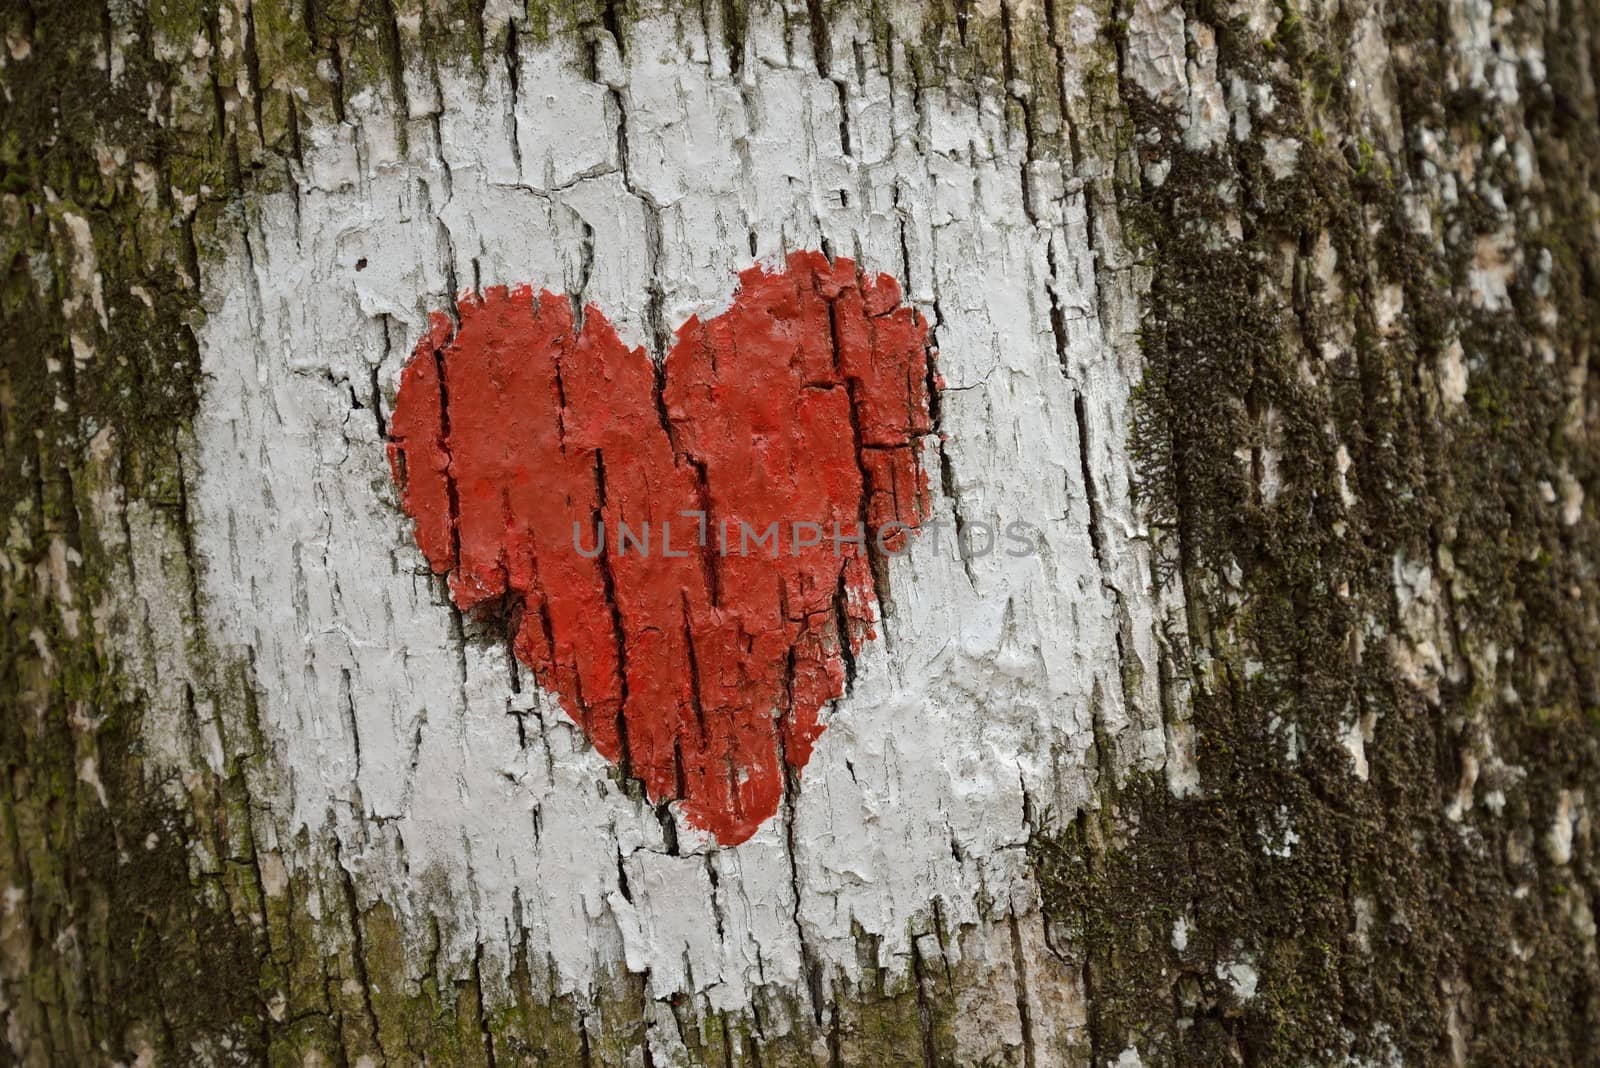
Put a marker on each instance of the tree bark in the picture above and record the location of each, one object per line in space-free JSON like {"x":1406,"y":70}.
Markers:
{"x":1272,"y":320}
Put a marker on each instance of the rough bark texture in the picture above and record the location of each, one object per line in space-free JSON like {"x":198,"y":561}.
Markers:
{"x":1295,"y":299}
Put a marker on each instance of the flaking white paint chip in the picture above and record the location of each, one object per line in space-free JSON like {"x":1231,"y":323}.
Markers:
{"x":1281,"y":154}
{"x":1156,"y":49}
{"x":1241,"y":976}
{"x":1558,"y":839}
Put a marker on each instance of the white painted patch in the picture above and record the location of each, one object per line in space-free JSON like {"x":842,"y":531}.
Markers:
{"x":1371,"y":81}
{"x":1282,"y":155}
{"x":1256,"y":17}
{"x":398,"y":739}
{"x":1558,"y":839}
{"x":1160,"y":45}
{"x":1355,"y":739}
{"x":1361,"y":927}
{"x":1206,"y":124}
{"x":1156,"y":52}
{"x":1183,"y":765}
{"x":1240,"y":976}
{"x":1466,"y":785}
{"x":1342,"y":463}
{"x":1489,"y":276}
{"x":1453,"y":374}
{"x":1571,"y":499}
{"x":1278,"y":836}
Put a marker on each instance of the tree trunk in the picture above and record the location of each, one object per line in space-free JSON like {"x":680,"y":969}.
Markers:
{"x":1270,"y":743}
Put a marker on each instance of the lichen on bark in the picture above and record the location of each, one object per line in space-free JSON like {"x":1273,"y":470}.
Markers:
{"x":1391,"y":609}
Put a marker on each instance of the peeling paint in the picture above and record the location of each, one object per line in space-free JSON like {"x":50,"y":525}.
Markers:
{"x":411,"y":745}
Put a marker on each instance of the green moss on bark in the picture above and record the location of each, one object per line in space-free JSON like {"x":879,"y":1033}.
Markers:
{"x":1379,"y":917}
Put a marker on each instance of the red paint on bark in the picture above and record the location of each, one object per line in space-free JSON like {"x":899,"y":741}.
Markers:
{"x":701,"y":673}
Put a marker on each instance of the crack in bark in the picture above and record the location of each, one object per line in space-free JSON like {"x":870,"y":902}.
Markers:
{"x":389,"y":39}
{"x":619,"y":631}
{"x":811,"y":967}
{"x":1019,"y":964}
{"x":1091,"y":498}
{"x":930,"y":1049}
{"x":358,"y":951}
{"x":513,"y":81}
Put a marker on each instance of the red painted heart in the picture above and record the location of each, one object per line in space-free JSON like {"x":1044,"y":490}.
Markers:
{"x":622,"y":513}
